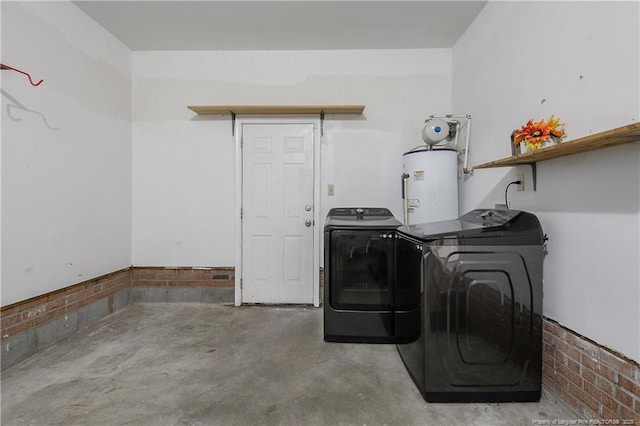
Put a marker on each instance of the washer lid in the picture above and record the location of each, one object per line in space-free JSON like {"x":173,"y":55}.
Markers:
{"x":364,"y":212}
{"x":517,"y":226}
{"x":370,"y":217}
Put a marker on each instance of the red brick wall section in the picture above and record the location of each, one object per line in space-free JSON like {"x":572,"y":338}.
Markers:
{"x":21,"y":316}
{"x":593,"y":380}
{"x":182,"y":277}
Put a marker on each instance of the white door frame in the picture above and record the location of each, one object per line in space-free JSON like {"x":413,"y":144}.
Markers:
{"x":278,"y":119}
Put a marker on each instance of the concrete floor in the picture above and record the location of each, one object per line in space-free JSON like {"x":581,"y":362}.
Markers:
{"x":166,"y":364}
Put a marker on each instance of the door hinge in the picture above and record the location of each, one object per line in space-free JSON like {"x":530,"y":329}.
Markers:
{"x":240,"y":283}
{"x":240,"y":212}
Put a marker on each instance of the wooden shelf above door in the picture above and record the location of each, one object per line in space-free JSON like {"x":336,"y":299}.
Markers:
{"x":276,"y":109}
{"x":234,"y":110}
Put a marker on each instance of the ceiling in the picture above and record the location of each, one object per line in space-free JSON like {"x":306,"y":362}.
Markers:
{"x":283,"y":25}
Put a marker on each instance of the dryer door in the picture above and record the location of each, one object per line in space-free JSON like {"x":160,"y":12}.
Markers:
{"x":361,"y":269}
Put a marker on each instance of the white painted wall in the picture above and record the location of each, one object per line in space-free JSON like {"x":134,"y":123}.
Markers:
{"x":66,"y":164}
{"x":580,"y":61}
{"x":66,"y":194}
{"x":183,"y":194}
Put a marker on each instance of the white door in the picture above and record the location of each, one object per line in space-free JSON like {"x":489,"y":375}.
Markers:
{"x":277,"y":213}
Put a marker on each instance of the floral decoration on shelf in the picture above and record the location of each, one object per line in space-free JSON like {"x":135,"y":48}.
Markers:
{"x":538,"y":134}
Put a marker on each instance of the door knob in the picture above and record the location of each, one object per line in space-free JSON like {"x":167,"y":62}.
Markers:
{"x":307,"y":223}
{"x":308,"y":207}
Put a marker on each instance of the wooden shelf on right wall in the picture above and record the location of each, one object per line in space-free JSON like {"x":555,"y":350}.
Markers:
{"x":618,"y":136}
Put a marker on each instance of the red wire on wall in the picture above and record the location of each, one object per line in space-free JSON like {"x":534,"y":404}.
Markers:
{"x":7,"y":67}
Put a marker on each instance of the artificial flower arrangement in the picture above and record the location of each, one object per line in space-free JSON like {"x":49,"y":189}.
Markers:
{"x":535,"y":133}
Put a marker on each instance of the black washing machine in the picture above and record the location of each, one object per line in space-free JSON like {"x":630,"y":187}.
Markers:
{"x":360,"y":296}
{"x":479,"y":333}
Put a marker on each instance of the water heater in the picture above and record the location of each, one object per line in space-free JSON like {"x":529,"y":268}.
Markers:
{"x":430,"y":185}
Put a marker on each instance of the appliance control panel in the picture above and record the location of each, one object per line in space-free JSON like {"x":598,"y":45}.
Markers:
{"x":359,"y":211}
{"x":490,"y":217}
{"x":382,"y":234}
